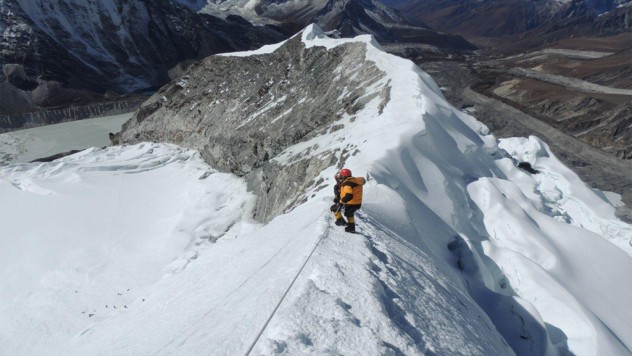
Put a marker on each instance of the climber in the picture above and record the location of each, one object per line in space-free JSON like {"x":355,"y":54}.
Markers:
{"x":348,"y":198}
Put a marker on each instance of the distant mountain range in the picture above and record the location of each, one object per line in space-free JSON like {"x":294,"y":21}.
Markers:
{"x":348,"y":17}
{"x":541,"y":21}
{"x":70,"y":51}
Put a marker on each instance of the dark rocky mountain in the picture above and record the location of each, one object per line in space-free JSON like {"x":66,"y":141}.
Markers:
{"x":501,"y":18}
{"x":574,"y":20}
{"x":481,"y":18}
{"x":348,"y":17}
{"x":62,"y":52}
{"x":71,"y":52}
{"x":566,"y":63}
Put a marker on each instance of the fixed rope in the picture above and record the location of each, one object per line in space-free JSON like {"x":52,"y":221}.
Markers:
{"x":252,"y":346}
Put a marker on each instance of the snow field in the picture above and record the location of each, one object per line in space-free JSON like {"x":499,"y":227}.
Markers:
{"x":559,"y":192}
{"x":147,"y":253}
{"x":84,"y":236}
{"x":551,"y":261}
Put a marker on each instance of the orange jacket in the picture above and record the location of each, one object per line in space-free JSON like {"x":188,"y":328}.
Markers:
{"x":351,"y":190}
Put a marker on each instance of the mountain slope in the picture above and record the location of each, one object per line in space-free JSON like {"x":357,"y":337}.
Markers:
{"x":514,"y":17}
{"x":161,"y":261}
{"x":347,"y":17}
{"x":459,"y":251}
{"x":68,"y":51}
{"x":336,"y":125}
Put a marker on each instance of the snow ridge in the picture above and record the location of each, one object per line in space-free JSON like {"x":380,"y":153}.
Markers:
{"x":439,"y":160}
{"x":459,"y":250}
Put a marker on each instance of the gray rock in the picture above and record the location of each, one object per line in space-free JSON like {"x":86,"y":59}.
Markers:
{"x":241,"y":112}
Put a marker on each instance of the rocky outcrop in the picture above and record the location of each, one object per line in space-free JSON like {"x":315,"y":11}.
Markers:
{"x":242,"y":112}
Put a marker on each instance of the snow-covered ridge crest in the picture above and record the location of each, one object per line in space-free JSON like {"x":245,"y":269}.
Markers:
{"x":441,"y":162}
{"x":386,"y":119}
{"x":459,"y":251}
{"x":274,"y":97}
{"x":312,"y":35}
{"x":292,"y":92}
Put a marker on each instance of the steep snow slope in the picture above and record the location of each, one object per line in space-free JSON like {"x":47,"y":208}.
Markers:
{"x":145,"y":268}
{"x":459,"y":251}
{"x":418,"y":145}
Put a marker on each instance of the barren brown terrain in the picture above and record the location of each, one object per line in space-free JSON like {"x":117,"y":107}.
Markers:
{"x":576,"y":95}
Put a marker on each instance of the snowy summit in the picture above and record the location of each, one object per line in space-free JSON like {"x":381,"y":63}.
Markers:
{"x":219,"y":239}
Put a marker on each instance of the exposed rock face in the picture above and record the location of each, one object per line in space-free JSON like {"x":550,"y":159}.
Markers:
{"x":62,"y":52}
{"x":615,"y":21}
{"x":578,"y":19}
{"x":241,"y":112}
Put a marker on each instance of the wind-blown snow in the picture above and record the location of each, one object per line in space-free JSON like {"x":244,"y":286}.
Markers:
{"x":459,"y":251}
{"x":85,"y":238}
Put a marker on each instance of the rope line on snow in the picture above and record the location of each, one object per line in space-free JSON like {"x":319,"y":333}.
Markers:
{"x":252,"y":346}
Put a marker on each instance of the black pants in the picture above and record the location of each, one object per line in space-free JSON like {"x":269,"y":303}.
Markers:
{"x":350,"y":209}
{"x":347,"y":210}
